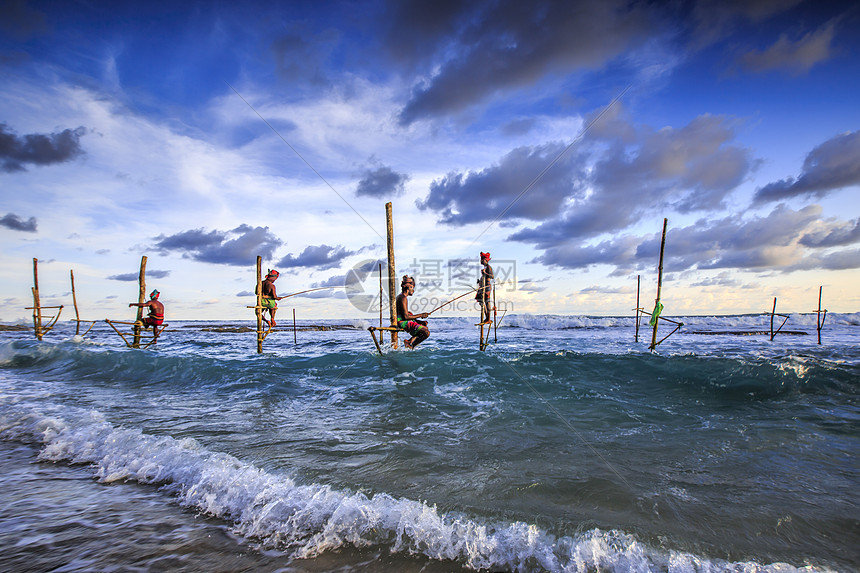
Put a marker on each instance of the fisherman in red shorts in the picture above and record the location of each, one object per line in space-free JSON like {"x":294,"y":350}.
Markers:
{"x":156,"y":313}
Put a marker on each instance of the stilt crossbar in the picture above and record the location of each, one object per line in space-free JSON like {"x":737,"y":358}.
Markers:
{"x":373,"y":329}
{"x":136,"y":334}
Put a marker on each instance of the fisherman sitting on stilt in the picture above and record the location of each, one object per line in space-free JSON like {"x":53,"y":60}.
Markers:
{"x":156,"y":314}
{"x":270,"y":297}
{"x":485,"y":288}
{"x":408,"y":321}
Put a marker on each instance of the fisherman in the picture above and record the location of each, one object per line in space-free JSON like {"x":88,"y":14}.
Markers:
{"x":156,"y":313}
{"x":485,"y":288}
{"x":408,"y":321}
{"x":270,"y":296}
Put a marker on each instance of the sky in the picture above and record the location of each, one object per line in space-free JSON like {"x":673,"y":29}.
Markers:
{"x":556,"y":135}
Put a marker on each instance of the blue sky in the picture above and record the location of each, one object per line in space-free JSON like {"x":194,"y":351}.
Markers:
{"x":556,"y":135}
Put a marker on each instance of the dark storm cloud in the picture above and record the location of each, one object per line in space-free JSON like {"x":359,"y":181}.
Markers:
{"x":531,"y":285}
{"x":774,"y":242}
{"x":415,"y":29}
{"x":334,"y":281}
{"x":619,"y":251}
{"x":636,"y":171}
{"x":835,"y":235}
{"x":381,"y":182}
{"x":37,"y":149}
{"x":133,"y":277}
{"x":300,"y":56}
{"x":838,"y":261}
{"x":239,"y":246}
{"x":715,"y":19}
{"x":482,"y":48}
{"x":19,"y":21}
{"x":797,"y":57}
{"x":320,"y":257}
{"x":833,"y":165}
{"x":477,"y":196}
{"x":16,"y":223}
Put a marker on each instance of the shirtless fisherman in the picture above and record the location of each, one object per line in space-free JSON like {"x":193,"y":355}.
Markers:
{"x":408,"y":321}
{"x":485,"y":288}
{"x":156,"y":313}
{"x":270,"y":296}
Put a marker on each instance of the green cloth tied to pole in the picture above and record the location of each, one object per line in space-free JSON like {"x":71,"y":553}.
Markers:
{"x":658,"y":308}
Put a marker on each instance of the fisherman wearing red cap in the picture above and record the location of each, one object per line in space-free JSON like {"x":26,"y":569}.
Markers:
{"x":270,"y":296}
{"x":408,"y":321}
{"x":485,"y":287}
{"x":156,"y":313}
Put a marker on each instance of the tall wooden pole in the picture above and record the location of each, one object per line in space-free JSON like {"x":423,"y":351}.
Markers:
{"x":819,"y":324}
{"x":772,"y":313}
{"x":659,"y":284}
{"x":380,"y":296}
{"x":295,"y":337}
{"x":75,"y":302}
{"x":37,"y":307}
{"x":392,"y":276}
{"x":141,"y":298}
{"x":259,"y":309}
{"x":495,"y":316}
{"x":636,"y":338}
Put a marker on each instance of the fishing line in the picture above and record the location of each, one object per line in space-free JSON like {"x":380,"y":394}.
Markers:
{"x":305,"y":160}
{"x":553,"y":162}
{"x":566,"y":423}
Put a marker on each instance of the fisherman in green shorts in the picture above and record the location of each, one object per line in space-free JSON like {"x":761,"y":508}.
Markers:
{"x":270,"y":296}
{"x":408,"y":321}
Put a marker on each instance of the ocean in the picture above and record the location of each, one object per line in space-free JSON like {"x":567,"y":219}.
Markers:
{"x":565,"y":446}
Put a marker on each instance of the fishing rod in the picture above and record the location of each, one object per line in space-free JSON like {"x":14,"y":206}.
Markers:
{"x":450,"y":301}
{"x":304,"y":291}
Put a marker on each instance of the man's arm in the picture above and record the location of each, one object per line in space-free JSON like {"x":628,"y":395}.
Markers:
{"x":408,"y":315}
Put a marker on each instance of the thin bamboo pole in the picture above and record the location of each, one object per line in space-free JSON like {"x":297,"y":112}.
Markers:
{"x":495,"y":316}
{"x":452,"y":300}
{"x":638,"y":279}
{"x":392,"y":277}
{"x":820,"y":325}
{"x":295,"y":337}
{"x":772,"y":316}
{"x":306,"y":291}
{"x":75,"y":302}
{"x":380,"y":295}
{"x":259,"y":308}
{"x":37,"y":307}
{"x":141,"y":298}
{"x":659,"y":283}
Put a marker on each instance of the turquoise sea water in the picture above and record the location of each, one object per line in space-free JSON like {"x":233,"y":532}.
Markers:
{"x":566,"y":446}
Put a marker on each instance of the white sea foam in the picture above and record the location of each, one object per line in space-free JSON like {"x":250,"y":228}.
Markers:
{"x":307,"y":520}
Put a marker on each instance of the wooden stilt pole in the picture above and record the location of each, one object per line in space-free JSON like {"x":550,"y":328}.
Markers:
{"x":392,"y":273}
{"x":380,"y":296}
{"x":75,"y":302}
{"x":495,"y":316}
{"x":37,"y":307}
{"x":638,"y":279}
{"x":772,"y":313}
{"x":659,"y":283}
{"x":820,"y":321}
{"x":295,"y":337}
{"x":141,"y":298}
{"x":259,"y":309}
